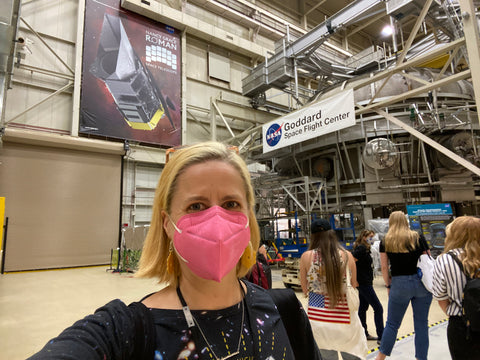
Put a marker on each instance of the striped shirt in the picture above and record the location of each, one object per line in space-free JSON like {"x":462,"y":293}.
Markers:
{"x":448,"y":282}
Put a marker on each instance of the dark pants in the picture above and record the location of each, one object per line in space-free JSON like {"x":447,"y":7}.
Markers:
{"x":333,"y":355}
{"x":460,"y":347}
{"x":368,"y":297}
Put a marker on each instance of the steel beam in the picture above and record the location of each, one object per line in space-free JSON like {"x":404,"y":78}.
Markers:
{"x":461,"y":161}
{"x":470,"y":29}
{"x":41,"y":102}
{"x":344,"y":17}
{"x":421,"y":90}
{"x":223,"y":118}
{"x":47,"y":46}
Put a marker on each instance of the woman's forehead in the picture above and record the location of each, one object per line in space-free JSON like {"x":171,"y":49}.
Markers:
{"x":214,"y":174}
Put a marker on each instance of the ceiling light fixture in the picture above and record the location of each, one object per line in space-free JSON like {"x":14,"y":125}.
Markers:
{"x":387,"y":30}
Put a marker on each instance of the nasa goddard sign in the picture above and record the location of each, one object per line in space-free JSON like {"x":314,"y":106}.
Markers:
{"x":320,"y":118}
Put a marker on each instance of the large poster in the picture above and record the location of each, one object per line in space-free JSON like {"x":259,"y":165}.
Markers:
{"x":431,"y":220}
{"x":130,"y":76}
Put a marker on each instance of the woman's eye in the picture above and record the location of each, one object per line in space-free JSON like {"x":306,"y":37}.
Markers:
{"x":230,"y":205}
{"x":196,"y":207}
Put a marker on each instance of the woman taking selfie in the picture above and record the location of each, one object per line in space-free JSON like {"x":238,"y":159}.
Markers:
{"x":202,"y":240}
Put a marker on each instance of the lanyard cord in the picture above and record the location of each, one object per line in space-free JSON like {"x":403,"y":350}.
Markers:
{"x":197,"y":331}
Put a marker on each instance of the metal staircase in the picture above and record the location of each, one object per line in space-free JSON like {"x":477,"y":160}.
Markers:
{"x":453,"y":22}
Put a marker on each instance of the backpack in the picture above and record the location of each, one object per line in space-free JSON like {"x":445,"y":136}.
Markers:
{"x":257,"y":275}
{"x":471,"y":298}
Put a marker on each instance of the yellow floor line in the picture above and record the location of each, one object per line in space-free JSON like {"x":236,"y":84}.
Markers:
{"x":405,"y":336}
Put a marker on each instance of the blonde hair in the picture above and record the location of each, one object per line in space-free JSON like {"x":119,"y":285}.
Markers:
{"x":326,"y":242}
{"x":399,"y":238}
{"x":464,"y":233}
{"x":157,"y":246}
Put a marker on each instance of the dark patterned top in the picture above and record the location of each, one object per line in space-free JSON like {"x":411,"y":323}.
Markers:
{"x":116,"y":331}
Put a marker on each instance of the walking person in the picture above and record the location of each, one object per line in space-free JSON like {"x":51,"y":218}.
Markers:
{"x":368,"y":297}
{"x":325,"y":270}
{"x":463,"y":241}
{"x":399,"y":253}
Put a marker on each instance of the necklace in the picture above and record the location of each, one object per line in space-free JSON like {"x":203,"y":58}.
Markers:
{"x":239,"y":338}
{"x":192,"y":323}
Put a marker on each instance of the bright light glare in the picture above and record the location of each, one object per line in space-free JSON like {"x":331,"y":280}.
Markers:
{"x":387,"y":30}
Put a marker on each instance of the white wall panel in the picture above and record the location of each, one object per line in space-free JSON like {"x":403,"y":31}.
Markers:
{"x":238,"y":72}
{"x":217,"y":21}
{"x":56,"y":18}
{"x":219,"y":67}
{"x":196,"y":58}
{"x":55,"y":21}
{"x":139,"y":184}
{"x":54,"y":114}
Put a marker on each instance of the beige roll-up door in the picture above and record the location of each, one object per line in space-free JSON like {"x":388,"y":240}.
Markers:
{"x":63,"y":206}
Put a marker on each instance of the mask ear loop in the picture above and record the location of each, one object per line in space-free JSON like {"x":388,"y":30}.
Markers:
{"x":173,"y":223}
{"x":172,"y":246}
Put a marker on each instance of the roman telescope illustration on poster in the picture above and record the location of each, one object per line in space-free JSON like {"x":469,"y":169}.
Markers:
{"x":130,"y":83}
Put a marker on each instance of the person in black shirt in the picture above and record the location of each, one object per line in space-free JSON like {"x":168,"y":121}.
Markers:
{"x":368,"y":297}
{"x":399,"y":253}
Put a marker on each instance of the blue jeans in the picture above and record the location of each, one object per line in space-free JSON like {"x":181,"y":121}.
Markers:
{"x":406,"y":289}
{"x":369,"y":297}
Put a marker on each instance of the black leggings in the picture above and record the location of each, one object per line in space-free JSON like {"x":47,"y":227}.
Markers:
{"x":460,"y":347}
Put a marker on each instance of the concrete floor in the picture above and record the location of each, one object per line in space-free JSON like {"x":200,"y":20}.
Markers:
{"x":36,"y":306}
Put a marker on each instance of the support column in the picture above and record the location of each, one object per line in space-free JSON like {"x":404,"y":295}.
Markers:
{"x":184,"y":87}
{"x":472,"y":40}
{"x":213,"y":121}
{"x":77,"y":85}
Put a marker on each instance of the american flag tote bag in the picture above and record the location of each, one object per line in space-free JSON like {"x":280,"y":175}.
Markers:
{"x":319,"y":309}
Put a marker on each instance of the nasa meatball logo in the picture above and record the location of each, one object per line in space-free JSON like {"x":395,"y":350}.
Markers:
{"x":274,"y":134}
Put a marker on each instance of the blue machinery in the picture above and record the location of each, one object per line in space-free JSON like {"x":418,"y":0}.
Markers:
{"x":292,"y":247}
{"x":344,"y":227}
{"x":295,"y":245}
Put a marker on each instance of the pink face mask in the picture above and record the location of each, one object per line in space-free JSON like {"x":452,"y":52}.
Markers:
{"x":211,"y":241}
